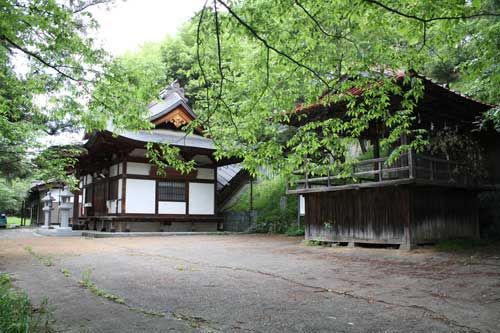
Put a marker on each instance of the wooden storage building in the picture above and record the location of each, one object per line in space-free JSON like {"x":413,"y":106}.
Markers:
{"x":421,"y":198}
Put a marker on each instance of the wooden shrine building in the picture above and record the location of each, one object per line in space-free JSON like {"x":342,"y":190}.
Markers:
{"x":121,"y":191}
{"x":421,"y":198}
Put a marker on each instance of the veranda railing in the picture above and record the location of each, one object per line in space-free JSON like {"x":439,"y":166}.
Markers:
{"x":409,"y":166}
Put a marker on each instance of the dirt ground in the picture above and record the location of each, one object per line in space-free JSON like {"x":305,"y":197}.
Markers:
{"x":252,"y":283}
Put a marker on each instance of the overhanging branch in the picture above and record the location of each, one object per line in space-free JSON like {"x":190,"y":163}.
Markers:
{"x":252,"y":31}
{"x":427,"y":20}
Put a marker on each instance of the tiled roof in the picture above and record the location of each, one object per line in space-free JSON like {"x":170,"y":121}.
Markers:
{"x":170,"y":98}
{"x":399,"y":75}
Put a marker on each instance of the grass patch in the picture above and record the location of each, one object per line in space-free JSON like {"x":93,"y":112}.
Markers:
{"x":65,"y":272}
{"x":295,"y":231}
{"x":87,"y":283}
{"x":17,"y":313}
{"x":458,"y":245}
{"x":16,"y":221}
{"x":47,"y":261}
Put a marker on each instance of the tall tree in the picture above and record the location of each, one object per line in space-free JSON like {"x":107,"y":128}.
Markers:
{"x":52,"y":77}
{"x":259,"y":58}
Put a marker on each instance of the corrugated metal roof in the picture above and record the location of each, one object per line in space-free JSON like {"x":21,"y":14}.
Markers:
{"x":175,"y":138}
{"x":226,"y":173}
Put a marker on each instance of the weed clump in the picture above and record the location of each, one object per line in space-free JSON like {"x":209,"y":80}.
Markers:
{"x":87,"y":283}
{"x":18,"y":314}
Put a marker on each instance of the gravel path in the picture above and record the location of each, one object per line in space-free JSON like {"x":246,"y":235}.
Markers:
{"x":251,"y":283}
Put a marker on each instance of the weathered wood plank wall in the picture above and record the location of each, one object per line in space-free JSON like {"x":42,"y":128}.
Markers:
{"x":439,"y":213}
{"x":385,"y":215}
{"x":370,"y":215}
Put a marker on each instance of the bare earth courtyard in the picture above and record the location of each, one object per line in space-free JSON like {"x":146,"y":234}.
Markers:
{"x":251,"y":283}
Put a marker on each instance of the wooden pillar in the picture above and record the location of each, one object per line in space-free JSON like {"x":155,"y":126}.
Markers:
{"x":376,"y":154}
{"x":76,"y":207}
{"x":23,"y":213}
{"x":376,"y":148}
{"x":215,"y":191}
{"x":124,"y":185}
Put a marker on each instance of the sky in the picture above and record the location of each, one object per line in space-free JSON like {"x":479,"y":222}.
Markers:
{"x":127,"y":24}
{"x":130,"y":23}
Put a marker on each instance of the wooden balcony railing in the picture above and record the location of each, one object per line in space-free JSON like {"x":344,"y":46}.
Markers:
{"x":409,"y":167}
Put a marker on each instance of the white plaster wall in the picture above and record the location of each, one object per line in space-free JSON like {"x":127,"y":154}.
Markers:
{"x":201,"y":198}
{"x":88,"y":179}
{"x":171,"y":207}
{"x":80,"y":213}
{"x":134,"y":168}
{"x":140,"y":197}
{"x":56,"y":194}
{"x":120,"y":188}
{"x":111,"y":206}
{"x":113,"y":170}
{"x":302,"y":204}
{"x":204,"y":173}
{"x":138,"y":152}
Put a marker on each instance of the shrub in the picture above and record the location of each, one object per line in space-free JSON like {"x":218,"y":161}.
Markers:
{"x":266,"y":201}
{"x":458,"y":245}
{"x":295,"y":230}
{"x":17,"y":312}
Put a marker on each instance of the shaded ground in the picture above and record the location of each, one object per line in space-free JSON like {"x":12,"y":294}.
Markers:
{"x":252,"y":283}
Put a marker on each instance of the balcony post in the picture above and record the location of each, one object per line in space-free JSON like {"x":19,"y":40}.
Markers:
{"x":411,"y":164}
{"x":307,"y":179}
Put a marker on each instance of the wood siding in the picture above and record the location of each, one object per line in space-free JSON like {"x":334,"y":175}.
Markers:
{"x":358,"y":215}
{"x":443,"y":214}
{"x":392,"y":215}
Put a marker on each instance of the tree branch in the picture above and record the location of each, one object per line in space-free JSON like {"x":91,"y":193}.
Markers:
{"x":267,"y":45}
{"x":320,"y":27}
{"x":198,"y":59}
{"x":219,"y":51}
{"x":89,"y":4}
{"x":427,"y":20}
{"x":37,"y":57}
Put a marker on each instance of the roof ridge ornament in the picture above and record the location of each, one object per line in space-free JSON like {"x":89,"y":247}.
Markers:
{"x":172,"y":88}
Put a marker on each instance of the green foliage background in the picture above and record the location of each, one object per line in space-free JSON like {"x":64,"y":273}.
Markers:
{"x":12,"y":193}
{"x":245,"y":66}
{"x":266,"y":201}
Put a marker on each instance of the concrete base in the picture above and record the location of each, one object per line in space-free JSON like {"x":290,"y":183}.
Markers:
{"x":148,"y":226}
{"x":98,"y":234}
{"x":407,"y":246}
{"x":59,"y":232}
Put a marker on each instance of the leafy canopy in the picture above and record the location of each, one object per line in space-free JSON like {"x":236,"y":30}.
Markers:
{"x":257,"y":59}
{"x":246,"y":65}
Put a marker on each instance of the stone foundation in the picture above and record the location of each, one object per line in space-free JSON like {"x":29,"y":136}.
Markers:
{"x":148,"y":226}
